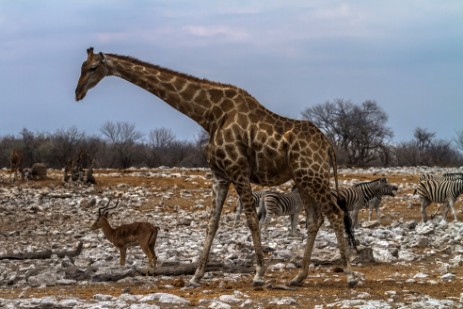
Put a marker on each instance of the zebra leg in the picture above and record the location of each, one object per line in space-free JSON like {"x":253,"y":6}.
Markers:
{"x":355,"y":214}
{"x":451,"y":205}
{"x":293,"y":219}
{"x":263,"y":224}
{"x":376,"y":203}
{"x":238,"y":210}
{"x":219,"y":194}
{"x":424,"y":203}
{"x":370,"y":211}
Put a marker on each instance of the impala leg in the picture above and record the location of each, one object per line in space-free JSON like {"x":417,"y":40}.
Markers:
{"x":219,"y":194}
{"x":154,"y":258}
{"x":123,"y":252}
{"x":149,"y":256}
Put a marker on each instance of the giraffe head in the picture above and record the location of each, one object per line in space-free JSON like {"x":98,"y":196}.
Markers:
{"x":93,"y":70}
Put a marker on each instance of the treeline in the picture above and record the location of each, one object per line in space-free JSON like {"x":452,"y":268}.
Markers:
{"x":359,"y":133}
{"x":119,"y":145}
{"x":362,"y":138}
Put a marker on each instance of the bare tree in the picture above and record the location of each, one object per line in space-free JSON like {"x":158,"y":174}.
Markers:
{"x":459,"y":140}
{"x":423,"y":138}
{"x":161,"y":138}
{"x":358,"y":131}
{"x":123,"y":138}
{"x":66,"y":144}
{"x":426,"y":150}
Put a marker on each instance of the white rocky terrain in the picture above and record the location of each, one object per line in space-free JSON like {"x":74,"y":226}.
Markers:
{"x":403,"y":262}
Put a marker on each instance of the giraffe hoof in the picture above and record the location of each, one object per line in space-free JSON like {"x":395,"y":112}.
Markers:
{"x":193,"y":283}
{"x":295,"y":283}
{"x":352,"y":283}
{"x":257,"y":283}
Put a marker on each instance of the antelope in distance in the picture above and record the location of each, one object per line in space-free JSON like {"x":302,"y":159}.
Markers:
{"x":143,"y":234}
{"x":16,"y":161}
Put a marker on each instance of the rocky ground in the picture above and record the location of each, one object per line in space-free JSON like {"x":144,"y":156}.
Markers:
{"x":405,"y":264}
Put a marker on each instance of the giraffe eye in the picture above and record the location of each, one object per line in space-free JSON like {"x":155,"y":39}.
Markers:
{"x":93,"y":68}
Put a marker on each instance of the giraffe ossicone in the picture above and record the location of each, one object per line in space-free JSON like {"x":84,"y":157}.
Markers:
{"x":247,"y":144}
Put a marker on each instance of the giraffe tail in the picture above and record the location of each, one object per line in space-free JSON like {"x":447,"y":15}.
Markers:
{"x":348,"y":223}
{"x":332,"y":155}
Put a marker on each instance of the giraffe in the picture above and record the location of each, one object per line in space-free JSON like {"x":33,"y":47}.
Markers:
{"x":16,"y":160}
{"x":247,"y":144}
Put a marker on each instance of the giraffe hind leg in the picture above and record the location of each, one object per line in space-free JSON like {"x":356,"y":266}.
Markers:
{"x":244,"y":191}
{"x":341,"y":222}
{"x":314,"y":221}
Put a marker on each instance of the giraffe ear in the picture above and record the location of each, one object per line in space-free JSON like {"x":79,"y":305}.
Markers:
{"x":103,"y":59}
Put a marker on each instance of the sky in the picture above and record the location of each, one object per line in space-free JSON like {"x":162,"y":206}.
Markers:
{"x":290,"y":55}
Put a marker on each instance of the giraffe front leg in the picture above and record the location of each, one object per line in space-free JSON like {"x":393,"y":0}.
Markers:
{"x":219,"y":193}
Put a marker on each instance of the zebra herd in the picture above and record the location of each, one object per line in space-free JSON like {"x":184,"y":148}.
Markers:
{"x":431,"y":188}
{"x":362,"y":195}
{"x":443,"y":189}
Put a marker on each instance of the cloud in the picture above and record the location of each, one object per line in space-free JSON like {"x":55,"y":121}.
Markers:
{"x":223,"y":33}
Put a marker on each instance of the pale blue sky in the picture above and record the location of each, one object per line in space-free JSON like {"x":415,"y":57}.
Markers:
{"x":290,"y":55}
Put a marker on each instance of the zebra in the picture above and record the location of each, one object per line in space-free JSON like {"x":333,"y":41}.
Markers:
{"x":443,"y":177}
{"x":279,"y":204}
{"x":257,"y":195}
{"x":375,"y":202}
{"x":446,"y":191}
{"x":357,"y":196}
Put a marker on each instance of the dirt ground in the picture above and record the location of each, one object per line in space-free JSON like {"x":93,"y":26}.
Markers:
{"x":379,"y":277}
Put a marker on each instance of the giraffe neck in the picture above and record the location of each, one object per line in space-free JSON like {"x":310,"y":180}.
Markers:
{"x":197,"y":98}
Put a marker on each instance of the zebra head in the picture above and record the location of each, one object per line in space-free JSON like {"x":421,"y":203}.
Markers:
{"x":389,"y":189}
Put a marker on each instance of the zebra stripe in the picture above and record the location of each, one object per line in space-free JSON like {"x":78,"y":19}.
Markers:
{"x":279,"y":204}
{"x":443,"y":177}
{"x":432,"y":191}
{"x":257,"y":195}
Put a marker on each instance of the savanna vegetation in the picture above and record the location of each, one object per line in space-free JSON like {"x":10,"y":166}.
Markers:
{"x":359,"y":132}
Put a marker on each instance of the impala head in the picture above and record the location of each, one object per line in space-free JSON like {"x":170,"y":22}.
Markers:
{"x":102,"y":216}
{"x":93,"y":70}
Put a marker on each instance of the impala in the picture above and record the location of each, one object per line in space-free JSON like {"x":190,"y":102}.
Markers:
{"x":137,"y":233}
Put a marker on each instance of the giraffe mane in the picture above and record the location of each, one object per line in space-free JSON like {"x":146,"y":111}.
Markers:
{"x":184,"y":75}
